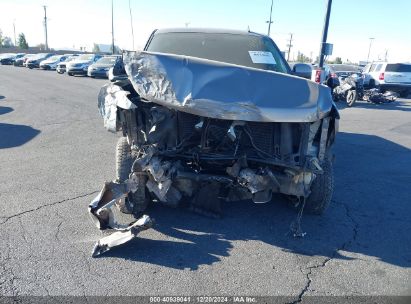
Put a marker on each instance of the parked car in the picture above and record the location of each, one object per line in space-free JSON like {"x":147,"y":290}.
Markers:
{"x":51,"y":63}
{"x":34,"y":62}
{"x":389,"y":76}
{"x":79,"y":66}
{"x":61,"y":66}
{"x":21,"y":61}
{"x":10,"y":58}
{"x":5,"y":55}
{"x":101,"y":67}
{"x":208,"y":114}
{"x":342,"y":71}
{"x":117,"y":72}
{"x":330,"y":77}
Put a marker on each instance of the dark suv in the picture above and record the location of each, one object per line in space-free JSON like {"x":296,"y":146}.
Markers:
{"x":207,"y":115}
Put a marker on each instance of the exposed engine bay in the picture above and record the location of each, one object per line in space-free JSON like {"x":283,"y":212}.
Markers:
{"x":176,"y":155}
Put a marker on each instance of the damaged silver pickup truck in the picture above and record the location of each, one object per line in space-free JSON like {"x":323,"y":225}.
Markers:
{"x":211,"y":115}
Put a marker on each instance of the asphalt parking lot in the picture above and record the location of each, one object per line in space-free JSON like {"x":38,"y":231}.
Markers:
{"x":55,"y":155}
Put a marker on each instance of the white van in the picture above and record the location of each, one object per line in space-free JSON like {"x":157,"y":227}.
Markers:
{"x":389,"y":76}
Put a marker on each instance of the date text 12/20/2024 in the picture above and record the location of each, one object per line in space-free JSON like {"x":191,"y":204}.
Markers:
{"x":202,"y":299}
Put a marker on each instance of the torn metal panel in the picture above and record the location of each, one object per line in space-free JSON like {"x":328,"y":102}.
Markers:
{"x":100,"y":210}
{"x":100,"y":207}
{"x":225,"y":91}
{"x":111,"y":97}
{"x":123,"y":236}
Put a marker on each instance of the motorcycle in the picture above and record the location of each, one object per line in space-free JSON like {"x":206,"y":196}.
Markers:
{"x":375,"y":96}
{"x":350,"y":89}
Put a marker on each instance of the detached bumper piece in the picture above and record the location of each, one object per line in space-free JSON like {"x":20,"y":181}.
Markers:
{"x":102,"y":215}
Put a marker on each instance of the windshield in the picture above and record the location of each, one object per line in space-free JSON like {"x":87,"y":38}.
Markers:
{"x":107,"y":60}
{"x":242,"y":49}
{"x":85,"y":57}
{"x":71,"y":58}
{"x":39,"y":56}
{"x":54,"y":58}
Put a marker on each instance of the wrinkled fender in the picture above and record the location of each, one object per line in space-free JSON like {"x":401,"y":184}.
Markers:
{"x":110,"y":98}
{"x":334,"y":124}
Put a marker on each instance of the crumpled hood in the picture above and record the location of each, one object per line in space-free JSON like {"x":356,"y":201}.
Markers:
{"x":225,"y":91}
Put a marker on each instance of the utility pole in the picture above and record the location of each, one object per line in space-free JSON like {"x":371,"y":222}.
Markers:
{"x":289,"y":46}
{"x":45,"y":26}
{"x":369,"y":49}
{"x":386,"y":55}
{"x":131,"y":20}
{"x":14,"y":28}
{"x":325,"y":33}
{"x":112,"y":28}
{"x":271,"y":21}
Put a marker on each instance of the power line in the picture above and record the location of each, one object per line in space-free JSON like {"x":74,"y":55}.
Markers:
{"x":289,"y":46}
{"x":45,"y":26}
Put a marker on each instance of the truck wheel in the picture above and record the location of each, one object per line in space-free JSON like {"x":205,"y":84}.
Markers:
{"x":137,"y":202}
{"x":351,"y":97}
{"x":321,"y":190}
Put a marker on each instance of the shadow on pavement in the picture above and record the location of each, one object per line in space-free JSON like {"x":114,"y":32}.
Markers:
{"x":5,"y":110}
{"x":15,"y":135}
{"x":369,"y":215}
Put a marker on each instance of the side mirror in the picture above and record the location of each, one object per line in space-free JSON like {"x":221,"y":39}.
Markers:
{"x":302,"y":70}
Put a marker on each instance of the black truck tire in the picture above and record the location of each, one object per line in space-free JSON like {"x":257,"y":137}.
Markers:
{"x":351,"y":97}
{"x":137,"y":202}
{"x":321,"y":190}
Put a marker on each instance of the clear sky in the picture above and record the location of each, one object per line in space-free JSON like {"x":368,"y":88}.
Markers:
{"x":83,"y":22}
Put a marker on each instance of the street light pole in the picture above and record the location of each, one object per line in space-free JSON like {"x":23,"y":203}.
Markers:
{"x":369,"y":49}
{"x":112,"y":28}
{"x":45,"y":26}
{"x":325,"y":34}
{"x":131,"y":20}
{"x":14,"y":29}
{"x":289,"y":46}
{"x":270,"y":22}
